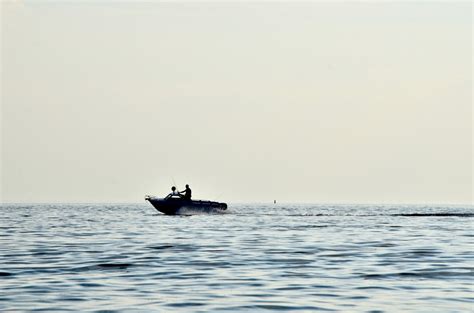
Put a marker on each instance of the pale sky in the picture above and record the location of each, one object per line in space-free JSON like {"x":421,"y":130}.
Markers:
{"x":364,"y":102}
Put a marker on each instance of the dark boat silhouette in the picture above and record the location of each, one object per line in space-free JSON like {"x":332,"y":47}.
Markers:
{"x":180,"y":206}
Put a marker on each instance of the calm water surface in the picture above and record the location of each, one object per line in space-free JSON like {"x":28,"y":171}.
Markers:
{"x":349,"y":258}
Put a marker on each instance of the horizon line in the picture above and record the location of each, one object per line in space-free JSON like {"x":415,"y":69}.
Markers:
{"x":257,"y":202}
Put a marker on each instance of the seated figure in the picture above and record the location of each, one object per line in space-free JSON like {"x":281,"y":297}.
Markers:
{"x":174,"y":193}
{"x":186,"y":192}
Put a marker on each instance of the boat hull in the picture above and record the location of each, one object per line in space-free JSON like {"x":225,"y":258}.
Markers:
{"x":177,"y":206}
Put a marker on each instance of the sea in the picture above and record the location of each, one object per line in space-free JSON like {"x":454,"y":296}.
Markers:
{"x":254,"y":258}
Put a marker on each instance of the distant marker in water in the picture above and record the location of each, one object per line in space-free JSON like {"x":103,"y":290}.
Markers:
{"x":274,"y":201}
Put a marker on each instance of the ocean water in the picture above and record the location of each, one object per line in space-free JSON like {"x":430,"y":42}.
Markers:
{"x":256,"y":257}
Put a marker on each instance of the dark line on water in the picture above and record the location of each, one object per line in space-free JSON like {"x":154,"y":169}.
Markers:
{"x":436,"y":214}
{"x":5,"y":274}
{"x":114,"y":265}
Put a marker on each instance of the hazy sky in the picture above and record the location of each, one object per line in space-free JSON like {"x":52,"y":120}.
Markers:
{"x":245,"y":101}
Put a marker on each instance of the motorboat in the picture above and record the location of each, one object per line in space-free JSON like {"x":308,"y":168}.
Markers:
{"x":180,"y":206}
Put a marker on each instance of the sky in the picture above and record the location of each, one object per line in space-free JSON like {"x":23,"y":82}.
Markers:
{"x":321,"y":102}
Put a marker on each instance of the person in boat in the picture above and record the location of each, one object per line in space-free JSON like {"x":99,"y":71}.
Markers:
{"x":174,"y":193}
{"x":187,"y":193}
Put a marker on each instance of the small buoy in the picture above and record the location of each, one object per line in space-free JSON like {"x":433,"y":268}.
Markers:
{"x":274,"y":201}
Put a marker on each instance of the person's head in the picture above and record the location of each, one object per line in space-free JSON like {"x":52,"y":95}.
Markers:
{"x":187,"y":186}
{"x":173,"y":188}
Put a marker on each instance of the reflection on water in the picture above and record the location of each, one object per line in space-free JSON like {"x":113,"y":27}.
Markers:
{"x":256,"y":257}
